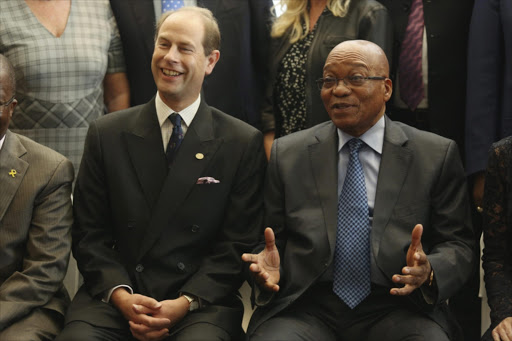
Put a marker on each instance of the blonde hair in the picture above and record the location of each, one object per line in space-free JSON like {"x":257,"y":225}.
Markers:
{"x":297,"y":13}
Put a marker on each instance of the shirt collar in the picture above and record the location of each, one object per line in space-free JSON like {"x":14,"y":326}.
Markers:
{"x":187,"y":115}
{"x":373,"y":137}
{"x":2,"y":141}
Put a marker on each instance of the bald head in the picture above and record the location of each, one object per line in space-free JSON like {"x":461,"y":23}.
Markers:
{"x":357,"y":99}
{"x":367,"y":52}
{"x":8,"y":78}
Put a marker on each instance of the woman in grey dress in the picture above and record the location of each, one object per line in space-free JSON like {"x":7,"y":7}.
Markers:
{"x":69,"y":68}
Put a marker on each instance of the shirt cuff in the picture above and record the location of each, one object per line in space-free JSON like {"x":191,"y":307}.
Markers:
{"x":107,"y":294}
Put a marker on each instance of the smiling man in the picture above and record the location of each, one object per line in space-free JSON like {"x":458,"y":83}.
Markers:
{"x":377,"y":239}
{"x":168,"y":196}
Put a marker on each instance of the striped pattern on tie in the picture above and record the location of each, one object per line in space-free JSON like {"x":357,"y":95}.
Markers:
{"x":410,"y":63}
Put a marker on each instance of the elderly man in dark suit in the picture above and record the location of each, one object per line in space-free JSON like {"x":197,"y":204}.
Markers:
{"x":168,"y":196}
{"x":371,"y":219}
{"x":35,"y":226}
{"x":237,"y":85}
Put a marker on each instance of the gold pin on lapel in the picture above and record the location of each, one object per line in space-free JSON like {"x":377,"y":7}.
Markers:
{"x":199,"y":156}
{"x":13,"y":173}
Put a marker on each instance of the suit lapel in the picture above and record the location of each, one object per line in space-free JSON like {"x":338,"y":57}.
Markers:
{"x":395,"y":162}
{"x":182,"y":177}
{"x":11,"y":160}
{"x":145,"y":147}
{"x":324,"y":157}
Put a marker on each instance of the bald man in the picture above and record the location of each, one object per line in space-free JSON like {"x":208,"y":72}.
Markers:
{"x":35,"y":228}
{"x":370,"y":220}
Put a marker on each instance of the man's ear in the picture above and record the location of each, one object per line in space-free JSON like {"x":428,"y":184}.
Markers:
{"x":388,"y":89}
{"x":211,"y":60}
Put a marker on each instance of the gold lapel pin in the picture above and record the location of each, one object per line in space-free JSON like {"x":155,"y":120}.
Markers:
{"x":199,"y":156}
{"x":13,"y":173}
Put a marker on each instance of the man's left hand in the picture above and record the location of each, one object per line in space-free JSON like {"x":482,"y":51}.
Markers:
{"x":418,"y":268}
{"x":174,"y":310}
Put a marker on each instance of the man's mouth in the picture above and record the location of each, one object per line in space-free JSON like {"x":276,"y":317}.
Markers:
{"x":170,"y":72}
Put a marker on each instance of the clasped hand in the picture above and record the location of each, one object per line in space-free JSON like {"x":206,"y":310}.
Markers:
{"x":265,"y":265}
{"x":149,"y":319}
{"x":418,"y":268}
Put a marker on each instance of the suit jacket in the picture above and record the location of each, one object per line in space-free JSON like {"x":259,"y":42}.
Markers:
{"x":489,"y":104}
{"x":421,"y":180}
{"x":158,"y":232}
{"x":35,"y":228}
{"x":236,"y":86}
{"x":447,"y":24}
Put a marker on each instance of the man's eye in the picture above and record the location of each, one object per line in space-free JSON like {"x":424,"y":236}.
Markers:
{"x":329,"y":81}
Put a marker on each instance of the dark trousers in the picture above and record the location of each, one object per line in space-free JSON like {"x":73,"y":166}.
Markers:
{"x":320,"y":315}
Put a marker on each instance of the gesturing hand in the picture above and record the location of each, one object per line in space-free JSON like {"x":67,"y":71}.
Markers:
{"x":265,"y":265}
{"x":503,"y":331}
{"x":418,"y":267}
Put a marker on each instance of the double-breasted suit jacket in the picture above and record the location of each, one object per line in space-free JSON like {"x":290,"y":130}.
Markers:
{"x":421,"y":181}
{"x":35,"y":230}
{"x":163,"y":233}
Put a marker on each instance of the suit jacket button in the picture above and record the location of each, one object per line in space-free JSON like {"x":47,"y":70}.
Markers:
{"x":181,"y":267}
{"x":139,"y":268}
{"x":194,"y":228}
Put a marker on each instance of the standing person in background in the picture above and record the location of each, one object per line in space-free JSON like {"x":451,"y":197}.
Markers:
{"x":35,"y":225}
{"x":429,"y":76}
{"x":236,"y":87}
{"x":489,"y":101}
{"x":69,"y":68}
{"x":497,"y":227}
{"x":303,"y":36}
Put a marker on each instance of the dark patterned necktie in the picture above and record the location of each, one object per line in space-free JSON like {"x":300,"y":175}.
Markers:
{"x":175,"y":140}
{"x":171,"y":5}
{"x":351,"y":280}
{"x":410,"y":64}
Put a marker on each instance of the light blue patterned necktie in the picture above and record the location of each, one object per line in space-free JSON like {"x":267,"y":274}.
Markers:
{"x":352,"y":279}
{"x":171,"y":5}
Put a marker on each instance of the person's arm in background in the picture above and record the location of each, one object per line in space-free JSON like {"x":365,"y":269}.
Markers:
{"x":116,"y":91}
{"x":485,"y":50}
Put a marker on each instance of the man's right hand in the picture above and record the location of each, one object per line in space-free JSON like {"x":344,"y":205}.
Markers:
{"x":130,"y":304}
{"x":265,"y":265}
{"x":503,"y":331}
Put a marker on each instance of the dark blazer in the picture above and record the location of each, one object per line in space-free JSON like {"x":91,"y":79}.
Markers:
{"x":236,"y":86}
{"x":162,"y":233}
{"x":366,"y":19}
{"x":489,"y":102}
{"x":35,"y":230}
{"x":447,"y":24}
{"x":421,"y":180}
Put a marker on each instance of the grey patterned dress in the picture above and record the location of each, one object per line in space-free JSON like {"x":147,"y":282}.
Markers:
{"x":60,"y":79}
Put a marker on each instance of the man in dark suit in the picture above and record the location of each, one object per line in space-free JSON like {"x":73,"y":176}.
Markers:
{"x":236,"y":87}
{"x":159,"y":231}
{"x":416,"y":245}
{"x":35,"y":228}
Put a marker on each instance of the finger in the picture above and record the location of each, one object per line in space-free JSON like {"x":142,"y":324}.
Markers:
{"x":495,"y":335}
{"x":413,"y":281}
{"x":249,"y":258}
{"x":152,"y":322}
{"x":141,"y":309}
{"x":415,"y":271}
{"x":406,"y":290}
{"x":503,"y":334}
{"x":146,"y":301}
{"x":271,"y":287}
{"x":416,"y":237}
{"x":270,"y":240}
{"x":255,"y":268}
{"x":142,"y":332}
